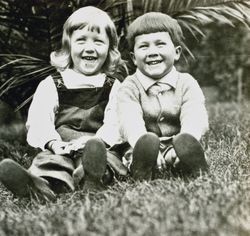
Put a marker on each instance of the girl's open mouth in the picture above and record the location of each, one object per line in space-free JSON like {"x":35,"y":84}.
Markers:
{"x":89,"y":58}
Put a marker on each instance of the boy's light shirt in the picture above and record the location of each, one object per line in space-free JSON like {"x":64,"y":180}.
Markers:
{"x":193,"y":118}
{"x":41,"y":115}
{"x":166,"y":82}
{"x":109,"y":132}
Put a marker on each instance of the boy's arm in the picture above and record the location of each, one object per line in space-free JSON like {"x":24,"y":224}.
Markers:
{"x":130,"y":113}
{"x":41,"y":115}
{"x":193,"y":116}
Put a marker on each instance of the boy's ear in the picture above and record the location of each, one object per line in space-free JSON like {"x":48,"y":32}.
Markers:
{"x":133,"y":58}
{"x":178,"y":51}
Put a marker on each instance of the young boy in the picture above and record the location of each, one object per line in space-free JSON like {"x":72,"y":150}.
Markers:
{"x":161,"y":111}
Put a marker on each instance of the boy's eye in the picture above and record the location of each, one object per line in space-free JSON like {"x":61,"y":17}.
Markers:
{"x":143,"y":46}
{"x":161,"y":43}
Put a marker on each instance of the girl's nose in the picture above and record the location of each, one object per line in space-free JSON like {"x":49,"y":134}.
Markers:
{"x":89,"y":47}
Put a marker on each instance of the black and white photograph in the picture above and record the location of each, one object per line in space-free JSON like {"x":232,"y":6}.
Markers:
{"x":124,"y":117}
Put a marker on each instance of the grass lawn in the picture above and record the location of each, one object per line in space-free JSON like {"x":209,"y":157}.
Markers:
{"x":217,"y":203}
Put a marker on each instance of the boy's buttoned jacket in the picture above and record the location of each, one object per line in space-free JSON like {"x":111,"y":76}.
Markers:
{"x":168,"y":106}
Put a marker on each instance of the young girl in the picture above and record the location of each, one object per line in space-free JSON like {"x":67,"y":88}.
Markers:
{"x":68,"y":109}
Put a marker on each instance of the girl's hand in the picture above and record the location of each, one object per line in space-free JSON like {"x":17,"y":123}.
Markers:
{"x":59,"y":147}
{"x":41,"y":189}
{"x":161,"y":163}
{"x":79,"y":143}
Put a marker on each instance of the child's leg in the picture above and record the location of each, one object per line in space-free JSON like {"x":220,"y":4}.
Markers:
{"x":22,"y":183}
{"x":114,"y":157}
{"x":190,"y":153}
{"x":145,"y":156}
{"x":54,"y":168}
{"x":115,"y":167}
{"x":114,"y":164}
{"x":94,"y":161}
{"x":108,"y":176}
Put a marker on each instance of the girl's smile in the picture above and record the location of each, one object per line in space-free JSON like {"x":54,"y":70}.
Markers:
{"x":89,"y":50}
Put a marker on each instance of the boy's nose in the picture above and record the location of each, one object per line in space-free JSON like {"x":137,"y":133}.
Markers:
{"x":152,"y":55}
{"x":153,"y":51}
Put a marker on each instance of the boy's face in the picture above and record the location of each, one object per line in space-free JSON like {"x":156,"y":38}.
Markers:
{"x":89,"y":50}
{"x":155,"y":54}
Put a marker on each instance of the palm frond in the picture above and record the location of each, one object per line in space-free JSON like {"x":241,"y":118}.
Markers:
{"x":203,"y":12}
{"x":172,"y":7}
{"x":25,"y":102}
{"x":32,"y":68}
{"x":195,"y":14}
{"x":22,"y":71}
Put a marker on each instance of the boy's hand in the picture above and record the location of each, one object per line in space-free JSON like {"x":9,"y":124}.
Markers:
{"x":161,"y":163}
{"x":171,"y":157}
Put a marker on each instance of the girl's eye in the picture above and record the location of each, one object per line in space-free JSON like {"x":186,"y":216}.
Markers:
{"x":143,"y":46}
{"x":98,"y":41}
{"x":81,"y":40}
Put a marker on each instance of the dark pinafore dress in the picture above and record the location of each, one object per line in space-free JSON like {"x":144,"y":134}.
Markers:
{"x":80,"y":112}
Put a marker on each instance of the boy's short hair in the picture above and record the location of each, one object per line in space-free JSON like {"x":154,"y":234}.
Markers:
{"x":154,"y":22}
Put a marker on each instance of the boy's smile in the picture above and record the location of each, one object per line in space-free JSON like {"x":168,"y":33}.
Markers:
{"x":89,"y":50}
{"x":155,"y":54}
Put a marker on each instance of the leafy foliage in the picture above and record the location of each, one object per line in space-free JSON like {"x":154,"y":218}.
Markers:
{"x":30,"y":30}
{"x":223,"y":61}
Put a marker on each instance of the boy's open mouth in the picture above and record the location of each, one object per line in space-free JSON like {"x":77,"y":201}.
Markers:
{"x":154,"y":62}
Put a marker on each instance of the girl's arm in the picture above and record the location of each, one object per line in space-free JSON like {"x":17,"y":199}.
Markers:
{"x":109,"y":132}
{"x":41,"y":115}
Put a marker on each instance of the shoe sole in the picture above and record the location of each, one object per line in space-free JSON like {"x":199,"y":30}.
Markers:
{"x":190,"y":152}
{"x":94,"y":159}
{"x":15,"y":178}
{"x":145,"y":156}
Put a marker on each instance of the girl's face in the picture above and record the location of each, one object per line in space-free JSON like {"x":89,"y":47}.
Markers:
{"x":155,"y":54}
{"x":89,"y":50}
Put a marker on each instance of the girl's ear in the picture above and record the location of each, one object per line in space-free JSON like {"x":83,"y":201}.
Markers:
{"x":178,"y":51}
{"x":133,"y":58}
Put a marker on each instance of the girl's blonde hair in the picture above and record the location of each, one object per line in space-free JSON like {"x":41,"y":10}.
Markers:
{"x":95,"y":19}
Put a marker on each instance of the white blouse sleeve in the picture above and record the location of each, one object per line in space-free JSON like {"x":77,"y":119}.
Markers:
{"x":41,"y":116}
{"x":109,"y":132}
